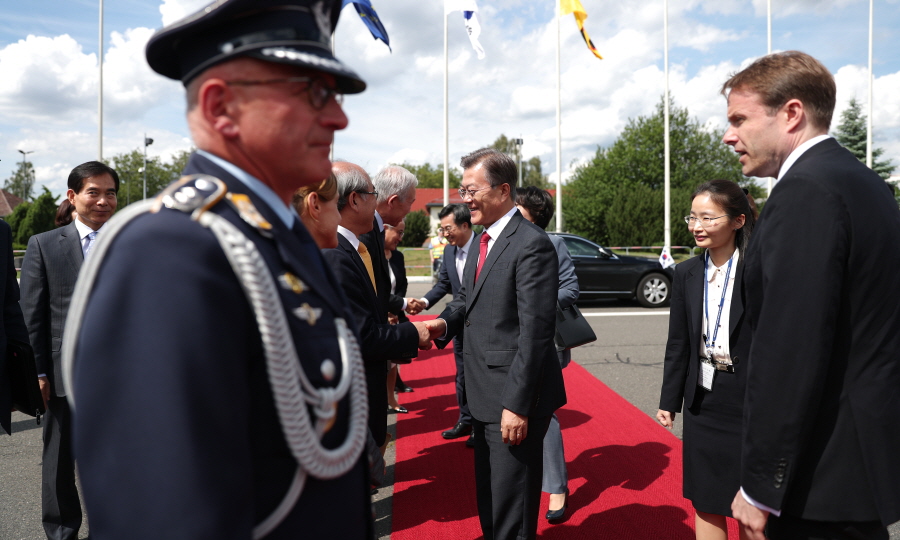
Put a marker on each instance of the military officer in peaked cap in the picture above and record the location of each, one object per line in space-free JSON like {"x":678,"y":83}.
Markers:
{"x":188,"y":424}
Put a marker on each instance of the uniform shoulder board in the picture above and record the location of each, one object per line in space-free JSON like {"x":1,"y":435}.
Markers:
{"x":194,"y":194}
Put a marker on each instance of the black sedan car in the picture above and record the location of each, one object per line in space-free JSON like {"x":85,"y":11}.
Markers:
{"x":603,"y":274}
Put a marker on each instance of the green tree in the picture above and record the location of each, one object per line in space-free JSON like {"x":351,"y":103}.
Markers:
{"x":15,"y":219}
{"x":21,"y":183}
{"x":131,"y":177}
{"x":532,"y":175}
{"x":418,"y":227}
{"x":851,"y":133}
{"x":432,"y":176}
{"x":40,"y":217}
{"x":618,"y":197}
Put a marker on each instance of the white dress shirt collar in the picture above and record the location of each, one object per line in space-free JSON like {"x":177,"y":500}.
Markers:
{"x":792,"y":158}
{"x":348,"y":234}
{"x":496,"y":228}
{"x":379,"y":221}
{"x":466,"y":247}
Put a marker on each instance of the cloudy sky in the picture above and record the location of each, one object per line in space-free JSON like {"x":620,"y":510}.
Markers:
{"x":48,"y":75}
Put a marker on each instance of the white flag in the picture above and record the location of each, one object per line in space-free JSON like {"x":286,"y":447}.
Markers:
{"x":665,"y":258}
{"x":473,"y":27}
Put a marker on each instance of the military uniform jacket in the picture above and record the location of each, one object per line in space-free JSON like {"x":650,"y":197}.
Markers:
{"x":176,"y":432}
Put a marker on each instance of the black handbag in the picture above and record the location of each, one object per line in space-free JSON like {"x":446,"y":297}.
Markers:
{"x":26,"y":392}
{"x":572,"y":329}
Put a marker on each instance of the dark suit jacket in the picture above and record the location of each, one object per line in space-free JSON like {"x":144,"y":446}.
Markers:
{"x":49,"y":273}
{"x":509,"y":320}
{"x":175,"y":424}
{"x":397,"y":263}
{"x":448,"y":280}
{"x":379,"y":340}
{"x":821,"y":436}
{"x":682,"y":363}
{"x":12,"y":325}
{"x":374,"y":241}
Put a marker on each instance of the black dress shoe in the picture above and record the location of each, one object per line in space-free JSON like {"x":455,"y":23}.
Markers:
{"x":397,"y":409}
{"x":402,"y":388}
{"x":470,"y":442}
{"x":459,"y":430}
{"x":557,"y":515}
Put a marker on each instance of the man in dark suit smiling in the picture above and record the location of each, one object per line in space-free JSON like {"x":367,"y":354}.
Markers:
{"x":506,"y":310}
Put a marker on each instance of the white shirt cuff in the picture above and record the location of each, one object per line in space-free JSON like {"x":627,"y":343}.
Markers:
{"x":759,"y":505}
{"x":425,"y":301}
{"x":404,"y":305}
{"x":41,"y":375}
{"x":445,"y":328}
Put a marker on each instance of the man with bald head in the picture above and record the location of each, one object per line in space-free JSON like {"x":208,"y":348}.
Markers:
{"x":354,"y":264}
{"x":218,"y":392}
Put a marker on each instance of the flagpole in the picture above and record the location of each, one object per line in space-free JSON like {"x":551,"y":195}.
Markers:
{"x":871,"y":78}
{"x":667,"y":230}
{"x":333,"y":134}
{"x":559,"y":214}
{"x":100,"y":90}
{"x":446,"y":119}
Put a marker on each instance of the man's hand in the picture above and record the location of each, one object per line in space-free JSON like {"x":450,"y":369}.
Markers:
{"x":44,"y":384}
{"x":437,"y":327}
{"x":752,"y":519}
{"x":393,"y":319}
{"x":513,"y":427}
{"x":414,"y":306}
{"x":424,"y":335}
{"x":666,"y":418}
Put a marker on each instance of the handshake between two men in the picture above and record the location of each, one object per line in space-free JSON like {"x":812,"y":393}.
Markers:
{"x":429,"y":331}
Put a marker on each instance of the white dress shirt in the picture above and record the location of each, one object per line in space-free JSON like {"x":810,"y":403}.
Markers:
{"x":715,"y":279}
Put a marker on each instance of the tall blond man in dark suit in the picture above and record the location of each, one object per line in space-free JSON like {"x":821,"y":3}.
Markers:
{"x":821,"y":436}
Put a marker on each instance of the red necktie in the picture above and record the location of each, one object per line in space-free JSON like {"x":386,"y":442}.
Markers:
{"x":482,"y":252}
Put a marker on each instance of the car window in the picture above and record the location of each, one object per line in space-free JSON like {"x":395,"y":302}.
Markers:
{"x":581,"y":248}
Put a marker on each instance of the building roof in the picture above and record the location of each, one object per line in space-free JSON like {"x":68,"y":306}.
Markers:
{"x":8,"y":202}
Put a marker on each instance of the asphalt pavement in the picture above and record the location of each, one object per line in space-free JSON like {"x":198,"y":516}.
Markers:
{"x":627,"y":357}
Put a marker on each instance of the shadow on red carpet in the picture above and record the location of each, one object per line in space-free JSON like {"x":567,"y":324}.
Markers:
{"x":624,"y":469}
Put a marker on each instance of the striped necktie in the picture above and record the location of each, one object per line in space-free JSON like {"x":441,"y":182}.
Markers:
{"x":91,"y":238}
{"x":367,"y":260}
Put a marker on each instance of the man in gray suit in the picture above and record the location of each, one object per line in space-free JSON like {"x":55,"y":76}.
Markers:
{"x":456,"y":226}
{"x":49,"y":272}
{"x":506,"y":310}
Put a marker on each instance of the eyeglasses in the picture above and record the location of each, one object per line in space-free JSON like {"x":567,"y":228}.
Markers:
{"x":463,"y":193}
{"x":319,"y":93}
{"x":398,"y":233}
{"x":448,"y":229}
{"x":704,"y":222}
{"x":361,"y":192}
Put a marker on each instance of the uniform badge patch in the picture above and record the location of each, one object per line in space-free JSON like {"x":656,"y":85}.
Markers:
{"x":308,"y":313}
{"x":291,"y":282}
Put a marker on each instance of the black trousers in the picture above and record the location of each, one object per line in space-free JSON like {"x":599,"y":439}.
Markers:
{"x":792,"y":528}
{"x":508,"y":480}
{"x":60,"y":505}
{"x":465,"y":417}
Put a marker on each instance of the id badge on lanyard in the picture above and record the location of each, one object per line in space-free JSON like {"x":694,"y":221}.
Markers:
{"x":707,"y":365}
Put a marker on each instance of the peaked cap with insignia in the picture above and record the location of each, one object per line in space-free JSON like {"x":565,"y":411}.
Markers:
{"x":296,"y":32}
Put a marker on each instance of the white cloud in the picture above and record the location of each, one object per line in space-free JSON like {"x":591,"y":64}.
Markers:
{"x":174,"y":10}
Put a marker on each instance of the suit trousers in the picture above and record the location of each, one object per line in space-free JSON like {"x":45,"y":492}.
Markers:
{"x":556,"y":477}
{"x":508,"y":480}
{"x":60,"y":505}
{"x":792,"y":528}
{"x":465,"y":417}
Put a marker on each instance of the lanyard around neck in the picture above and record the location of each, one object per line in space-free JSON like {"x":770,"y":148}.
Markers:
{"x":715,"y":332}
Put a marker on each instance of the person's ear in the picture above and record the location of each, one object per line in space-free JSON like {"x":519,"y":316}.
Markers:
{"x":313,"y":205}
{"x":70,"y":194}
{"x":740,"y":221}
{"x":219,"y":106}
{"x":795,"y":114}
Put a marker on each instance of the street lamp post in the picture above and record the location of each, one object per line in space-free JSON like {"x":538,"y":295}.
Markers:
{"x":518,"y":143}
{"x":147,"y":142}
{"x":24,"y":170}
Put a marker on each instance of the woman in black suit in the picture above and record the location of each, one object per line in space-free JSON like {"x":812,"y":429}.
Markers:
{"x":706,"y":352}
{"x":399,"y":284}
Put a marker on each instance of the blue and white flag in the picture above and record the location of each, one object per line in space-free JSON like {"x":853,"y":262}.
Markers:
{"x":473,"y":27}
{"x":371,"y":19}
{"x":665,"y":258}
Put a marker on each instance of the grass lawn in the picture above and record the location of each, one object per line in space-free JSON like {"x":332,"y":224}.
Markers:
{"x":417,"y":257}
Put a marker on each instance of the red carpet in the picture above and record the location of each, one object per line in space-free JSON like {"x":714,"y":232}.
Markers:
{"x":624,"y":469}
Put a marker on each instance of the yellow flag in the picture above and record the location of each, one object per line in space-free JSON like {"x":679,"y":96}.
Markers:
{"x":574,"y":6}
